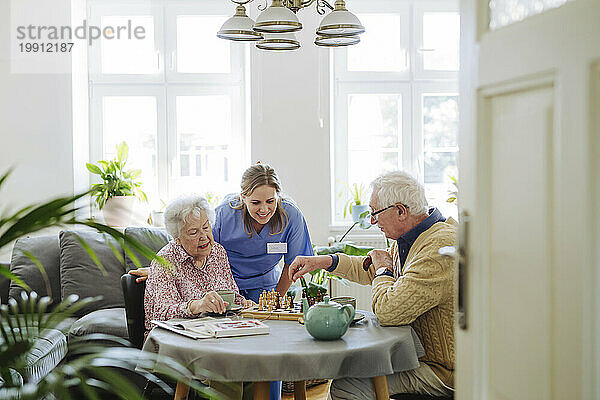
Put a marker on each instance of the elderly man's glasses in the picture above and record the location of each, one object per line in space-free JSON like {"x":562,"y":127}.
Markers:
{"x":373,"y":215}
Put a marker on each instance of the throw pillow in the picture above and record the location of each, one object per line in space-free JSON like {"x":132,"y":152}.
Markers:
{"x":46,"y":250}
{"x":81,"y":276}
{"x":155,"y":238}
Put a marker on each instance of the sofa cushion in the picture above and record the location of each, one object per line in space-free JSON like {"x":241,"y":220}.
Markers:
{"x":81,"y":276}
{"x":49,"y":350}
{"x":65,"y":325}
{"x":46,"y":250}
{"x":111,"y":321}
{"x":155,"y":238}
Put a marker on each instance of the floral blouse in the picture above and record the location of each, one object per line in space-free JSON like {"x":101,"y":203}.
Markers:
{"x":169,"y":292}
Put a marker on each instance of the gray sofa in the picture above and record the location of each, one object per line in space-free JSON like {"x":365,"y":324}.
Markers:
{"x":71,"y":270}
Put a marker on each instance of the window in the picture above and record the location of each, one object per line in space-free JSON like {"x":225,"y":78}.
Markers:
{"x":396,"y":99}
{"x":177,"y":100}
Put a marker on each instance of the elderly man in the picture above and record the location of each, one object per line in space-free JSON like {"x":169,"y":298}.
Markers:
{"x":412,"y":284}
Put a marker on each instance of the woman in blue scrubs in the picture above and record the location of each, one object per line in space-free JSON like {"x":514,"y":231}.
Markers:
{"x":258,"y":227}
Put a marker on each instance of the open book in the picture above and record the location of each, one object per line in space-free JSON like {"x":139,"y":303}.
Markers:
{"x":205,"y":328}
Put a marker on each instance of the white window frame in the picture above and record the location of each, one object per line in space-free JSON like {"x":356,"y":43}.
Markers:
{"x":401,"y":8}
{"x":340,"y":148}
{"x":419,"y":9}
{"x":419,"y":89}
{"x":96,"y":10}
{"x":411,"y":85}
{"x":167,"y":83}
{"x":96,"y":123}
{"x":237,"y":51}
{"x":237,"y":124}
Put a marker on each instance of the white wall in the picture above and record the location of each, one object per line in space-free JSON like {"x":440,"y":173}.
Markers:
{"x":289,"y":97}
{"x":35,"y":130}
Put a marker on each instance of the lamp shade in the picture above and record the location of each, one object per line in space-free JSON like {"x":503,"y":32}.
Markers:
{"x":336,"y":41}
{"x":279,"y":42}
{"x":340,"y":22}
{"x":277,"y":19}
{"x":239,"y":27}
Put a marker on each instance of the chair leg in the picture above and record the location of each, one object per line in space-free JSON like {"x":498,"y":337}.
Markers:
{"x":300,"y":390}
{"x":381,"y":387}
{"x":181,"y":392}
{"x":261,"y":390}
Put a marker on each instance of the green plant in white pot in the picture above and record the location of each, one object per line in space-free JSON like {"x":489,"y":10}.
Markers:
{"x":117,"y":193}
{"x":355,"y":205}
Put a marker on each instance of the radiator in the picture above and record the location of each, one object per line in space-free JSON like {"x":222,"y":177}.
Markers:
{"x":362,"y":293}
{"x":377,"y":241}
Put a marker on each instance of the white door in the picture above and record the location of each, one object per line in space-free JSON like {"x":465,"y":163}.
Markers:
{"x":529,"y":180}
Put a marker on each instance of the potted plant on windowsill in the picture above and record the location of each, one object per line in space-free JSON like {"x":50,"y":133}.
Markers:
{"x":117,"y":193}
{"x":355,"y":205}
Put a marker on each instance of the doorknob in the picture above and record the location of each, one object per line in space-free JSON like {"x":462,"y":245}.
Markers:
{"x":463,"y":237}
{"x":450,"y":251}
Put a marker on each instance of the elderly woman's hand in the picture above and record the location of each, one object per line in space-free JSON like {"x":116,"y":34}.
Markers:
{"x":141,"y":273}
{"x":211,"y":302}
{"x":247,"y":303}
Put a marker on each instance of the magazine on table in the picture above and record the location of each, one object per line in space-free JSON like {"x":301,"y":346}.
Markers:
{"x":206,"y":328}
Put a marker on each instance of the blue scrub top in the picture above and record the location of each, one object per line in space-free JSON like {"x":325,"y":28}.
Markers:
{"x":251,"y":265}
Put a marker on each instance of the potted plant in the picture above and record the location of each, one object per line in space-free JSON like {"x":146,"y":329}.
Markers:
{"x":157,"y":217}
{"x":355,"y":205}
{"x":453,"y":194}
{"x":117,"y":192}
{"x":313,"y":292}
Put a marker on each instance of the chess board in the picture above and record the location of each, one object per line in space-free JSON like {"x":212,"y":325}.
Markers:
{"x":278,"y":313}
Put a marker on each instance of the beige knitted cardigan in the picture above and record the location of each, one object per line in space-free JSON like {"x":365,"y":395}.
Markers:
{"x":422,"y":296}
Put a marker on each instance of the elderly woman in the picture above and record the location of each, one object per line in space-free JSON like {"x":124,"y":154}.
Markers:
{"x":200,"y":266}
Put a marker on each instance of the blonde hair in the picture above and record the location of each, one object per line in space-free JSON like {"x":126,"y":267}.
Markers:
{"x":255,"y":176}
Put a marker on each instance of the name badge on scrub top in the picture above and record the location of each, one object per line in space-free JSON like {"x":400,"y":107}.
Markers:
{"x":276,"y":248}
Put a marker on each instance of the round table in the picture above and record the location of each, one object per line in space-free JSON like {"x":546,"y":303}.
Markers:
{"x":289,"y":353}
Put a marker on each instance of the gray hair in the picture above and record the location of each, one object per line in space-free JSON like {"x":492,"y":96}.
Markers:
{"x":179,"y":210}
{"x":400,"y":187}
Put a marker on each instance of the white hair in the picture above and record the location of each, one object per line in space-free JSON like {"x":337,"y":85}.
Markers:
{"x":400,"y":187}
{"x":179,"y":210}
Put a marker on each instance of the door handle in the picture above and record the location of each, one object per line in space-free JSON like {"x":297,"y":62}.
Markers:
{"x":450,"y":251}
{"x":463,"y":246}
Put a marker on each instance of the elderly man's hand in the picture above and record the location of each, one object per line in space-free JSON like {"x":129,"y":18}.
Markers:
{"x":141,"y":273}
{"x":305,"y":264}
{"x":381,"y":258}
{"x":211,"y":302}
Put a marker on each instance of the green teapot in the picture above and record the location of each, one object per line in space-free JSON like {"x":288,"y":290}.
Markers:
{"x":327,"y":320}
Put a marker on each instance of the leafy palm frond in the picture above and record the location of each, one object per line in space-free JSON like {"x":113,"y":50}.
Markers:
{"x":60,"y":212}
{"x":93,"y":357}
{"x":24,"y":321}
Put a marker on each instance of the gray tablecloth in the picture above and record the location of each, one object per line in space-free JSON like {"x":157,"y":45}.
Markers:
{"x":289,"y":353}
